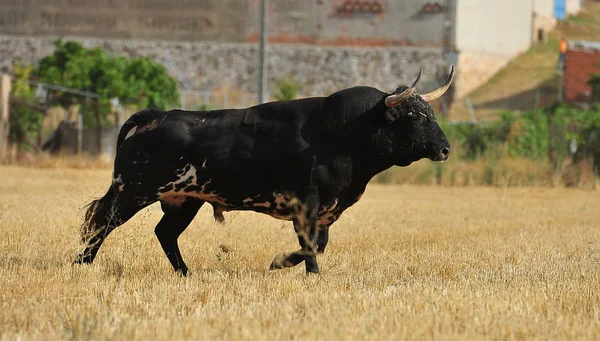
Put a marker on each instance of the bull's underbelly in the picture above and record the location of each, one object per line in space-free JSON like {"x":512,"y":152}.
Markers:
{"x":267,"y":201}
{"x":279,"y":206}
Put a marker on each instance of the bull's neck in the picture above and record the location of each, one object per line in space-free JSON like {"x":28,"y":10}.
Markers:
{"x":367,"y":164}
{"x":367,"y":158}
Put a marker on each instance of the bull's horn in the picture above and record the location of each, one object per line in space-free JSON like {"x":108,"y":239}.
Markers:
{"x":394,"y":99}
{"x":435,"y":94}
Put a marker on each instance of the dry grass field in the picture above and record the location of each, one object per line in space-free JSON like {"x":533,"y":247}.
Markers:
{"x":406,"y":262}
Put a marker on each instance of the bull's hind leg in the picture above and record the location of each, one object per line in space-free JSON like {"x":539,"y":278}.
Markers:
{"x":102,"y":217}
{"x":172,"y":224}
{"x":305,"y":225}
{"x":322,"y":238}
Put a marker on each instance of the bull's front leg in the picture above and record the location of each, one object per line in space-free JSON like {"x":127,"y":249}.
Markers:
{"x":305,"y":225}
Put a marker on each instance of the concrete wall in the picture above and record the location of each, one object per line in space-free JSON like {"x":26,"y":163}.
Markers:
{"x":573,"y":6}
{"x":318,"y":21}
{"x":493,"y":27}
{"x":321,"y":69}
{"x":488,"y":34}
{"x":544,"y":8}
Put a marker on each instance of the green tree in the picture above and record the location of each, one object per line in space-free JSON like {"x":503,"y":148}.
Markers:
{"x":139,"y":80}
{"x":149,"y":83}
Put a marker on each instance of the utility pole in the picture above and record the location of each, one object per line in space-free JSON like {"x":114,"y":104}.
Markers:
{"x":559,"y":96}
{"x":447,"y":49}
{"x":262,"y":68}
{"x":5,"y":88}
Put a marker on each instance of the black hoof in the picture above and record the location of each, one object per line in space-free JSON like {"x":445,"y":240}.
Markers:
{"x":311,"y":266}
{"x":183,"y":272}
{"x":286,"y":260}
{"x":279,"y":262}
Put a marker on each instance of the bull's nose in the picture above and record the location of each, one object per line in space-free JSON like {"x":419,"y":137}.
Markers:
{"x":445,"y":153}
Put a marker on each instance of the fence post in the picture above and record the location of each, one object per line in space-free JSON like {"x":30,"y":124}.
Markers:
{"x":5,"y":87}
{"x":80,"y":133}
{"x":471,"y":110}
{"x":98,"y":126}
{"x":550,"y":156}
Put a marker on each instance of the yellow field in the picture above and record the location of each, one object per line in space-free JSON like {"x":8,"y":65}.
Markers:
{"x":404,"y":263}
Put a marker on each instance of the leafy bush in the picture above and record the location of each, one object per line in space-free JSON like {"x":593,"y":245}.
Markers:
{"x":286,"y":89}
{"x":476,"y":140}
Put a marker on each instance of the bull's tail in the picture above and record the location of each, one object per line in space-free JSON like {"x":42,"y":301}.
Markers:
{"x":94,"y":210}
{"x":138,"y":119}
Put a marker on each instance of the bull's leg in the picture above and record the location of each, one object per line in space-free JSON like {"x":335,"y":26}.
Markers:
{"x":322,"y":239}
{"x":102,"y":217}
{"x":172,"y":224}
{"x":306,"y":229}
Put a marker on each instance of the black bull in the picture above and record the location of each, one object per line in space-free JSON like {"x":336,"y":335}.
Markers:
{"x":304,"y":160}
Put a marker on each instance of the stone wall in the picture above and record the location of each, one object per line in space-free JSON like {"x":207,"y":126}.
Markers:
{"x":321,"y":70}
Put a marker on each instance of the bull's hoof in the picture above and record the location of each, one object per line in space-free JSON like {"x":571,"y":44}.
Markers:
{"x":311,"y":266}
{"x":280,"y":262}
{"x":288,"y":260}
{"x":183,"y":272}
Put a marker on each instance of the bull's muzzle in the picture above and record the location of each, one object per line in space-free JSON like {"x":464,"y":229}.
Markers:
{"x":442,"y":155}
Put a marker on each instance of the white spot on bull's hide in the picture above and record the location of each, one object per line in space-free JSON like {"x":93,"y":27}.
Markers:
{"x":204,"y":164}
{"x":423,"y":114}
{"x":184,"y":177}
{"x":191,"y":172}
{"x":131,"y":132}
{"x":190,"y":177}
{"x":247,"y":200}
{"x":204,"y":119}
{"x":409,"y":113}
{"x":262,"y":204}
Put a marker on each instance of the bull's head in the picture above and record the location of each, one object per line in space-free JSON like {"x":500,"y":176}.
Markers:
{"x":413,"y":132}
